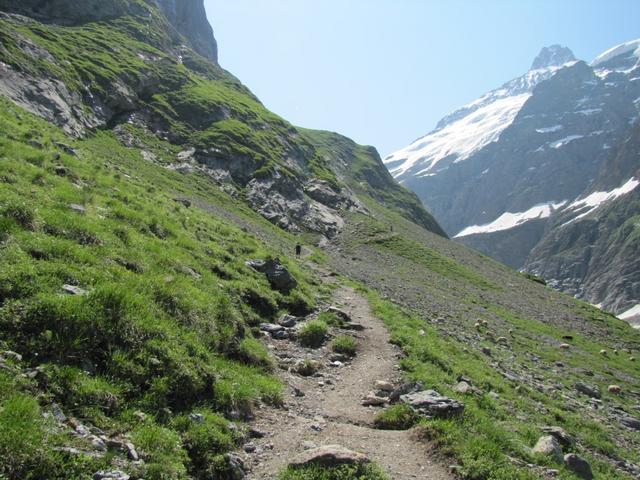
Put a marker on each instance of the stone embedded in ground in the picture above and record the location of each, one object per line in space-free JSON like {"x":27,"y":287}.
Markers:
{"x":384,"y":386}
{"x":373,"y":400}
{"x":404,"y":389}
{"x":341,"y":314}
{"x":549,"y":447}
{"x":111,"y":475}
{"x":306,"y":368}
{"x":592,"y":391}
{"x":578,"y":465}
{"x":288,"y":321}
{"x":256,"y":433}
{"x":271,"y":328}
{"x":432,"y":404}
{"x":630,"y":422}
{"x":329,"y":456}
{"x":464,"y":388}
{"x":561,"y":435}
{"x":73,"y":290}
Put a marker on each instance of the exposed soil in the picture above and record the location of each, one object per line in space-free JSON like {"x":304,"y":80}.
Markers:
{"x":330,"y":412}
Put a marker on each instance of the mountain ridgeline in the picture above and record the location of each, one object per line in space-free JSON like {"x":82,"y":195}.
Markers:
{"x":531,"y":173}
{"x":155,"y":322}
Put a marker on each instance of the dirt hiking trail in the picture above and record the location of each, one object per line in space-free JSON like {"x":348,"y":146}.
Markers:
{"x":330,"y":410}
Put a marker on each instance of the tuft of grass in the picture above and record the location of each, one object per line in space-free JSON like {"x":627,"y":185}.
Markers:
{"x":396,"y":417}
{"x":345,"y":344}
{"x":313,"y":333}
{"x":344,"y":472}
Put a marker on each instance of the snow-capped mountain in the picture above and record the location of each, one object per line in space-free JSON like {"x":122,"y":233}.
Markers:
{"x":499,"y":172}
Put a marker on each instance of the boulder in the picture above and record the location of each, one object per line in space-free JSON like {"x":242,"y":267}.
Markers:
{"x":405,"y":389}
{"x":592,"y":391}
{"x":560,"y":435}
{"x":432,"y":404}
{"x":630,"y":422}
{"x":271,"y":328}
{"x":278,"y":276}
{"x":329,"y":456}
{"x":288,"y":321}
{"x":549,"y":447}
{"x":235,"y":466}
{"x":578,"y":465}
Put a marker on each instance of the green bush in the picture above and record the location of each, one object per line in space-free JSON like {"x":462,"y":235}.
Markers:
{"x":396,"y":417}
{"x":343,"y":472}
{"x":344,"y":344}
{"x":313,"y":333}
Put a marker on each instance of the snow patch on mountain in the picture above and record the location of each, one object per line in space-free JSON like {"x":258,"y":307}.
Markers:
{"x":510,"y":220}
{"x":632,"y":46}
{"x":470,"y":128}
{"x":555,"y":128}
{"x":566,"y":140}
{"x":461,"y":138}
{"x":632,"y":312}
{"x":597,"y":199}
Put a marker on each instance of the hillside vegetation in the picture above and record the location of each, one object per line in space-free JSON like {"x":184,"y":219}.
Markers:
{"x":130,"y":321}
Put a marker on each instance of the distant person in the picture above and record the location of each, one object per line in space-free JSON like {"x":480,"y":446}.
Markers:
{"x":298,"y":250}
{"x":391,"y":228}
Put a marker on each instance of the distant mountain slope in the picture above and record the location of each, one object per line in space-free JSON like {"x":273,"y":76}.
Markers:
{"x":496,"y":171}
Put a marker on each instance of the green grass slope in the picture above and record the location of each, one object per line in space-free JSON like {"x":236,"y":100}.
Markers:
{"x":168,"y":324}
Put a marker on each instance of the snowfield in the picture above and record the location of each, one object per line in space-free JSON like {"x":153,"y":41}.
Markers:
{"x":597,"y":199}
{"x":510,"y":220}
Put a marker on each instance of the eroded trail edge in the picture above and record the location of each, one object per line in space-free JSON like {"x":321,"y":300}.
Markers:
{"x":326,"y":408}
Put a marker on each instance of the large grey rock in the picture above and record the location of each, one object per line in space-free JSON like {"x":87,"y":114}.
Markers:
{"x":277,"y":274}
{"x":578,"y":465}
{"x":592,"y":391}
{"x":432,"y":404}
{"x":549,"y":447}
{"x":630,"y":422}
{"x":561,"y":435}
{"x":329,"y":456}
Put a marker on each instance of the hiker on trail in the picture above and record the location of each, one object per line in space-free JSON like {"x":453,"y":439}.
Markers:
{"x":298,"y":249}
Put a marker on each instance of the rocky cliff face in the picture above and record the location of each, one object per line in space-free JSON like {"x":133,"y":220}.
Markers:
{"x":592,"y":248}
{"x":187,"y":17}
{"x":494,"y":172}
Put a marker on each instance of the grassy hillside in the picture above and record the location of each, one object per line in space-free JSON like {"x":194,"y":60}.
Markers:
{"x":165,"y":323}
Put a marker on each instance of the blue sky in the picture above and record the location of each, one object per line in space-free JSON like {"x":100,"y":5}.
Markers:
{"x":383,"y":72}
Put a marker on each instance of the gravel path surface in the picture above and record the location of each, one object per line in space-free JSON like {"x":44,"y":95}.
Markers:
{"x":330,"y":412}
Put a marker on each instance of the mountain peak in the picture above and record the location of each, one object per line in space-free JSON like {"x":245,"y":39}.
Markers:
{"x":552,"y":56}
